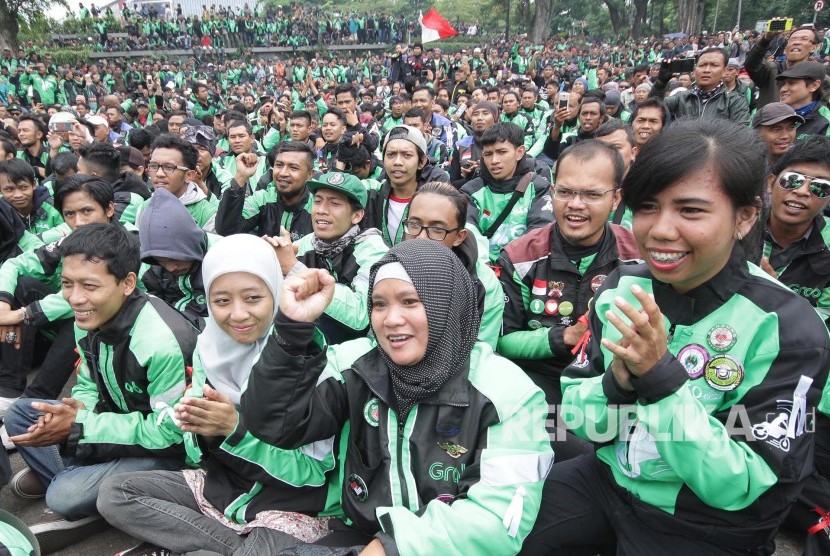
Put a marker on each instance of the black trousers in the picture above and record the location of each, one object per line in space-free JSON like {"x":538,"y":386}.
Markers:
{"x":584,"y":512}
{"x":56,"y":356}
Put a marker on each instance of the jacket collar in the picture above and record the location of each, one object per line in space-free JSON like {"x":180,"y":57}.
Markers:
{"x":372,"y":369}
{"x":606,"y":252}
{"x":120,"y":325}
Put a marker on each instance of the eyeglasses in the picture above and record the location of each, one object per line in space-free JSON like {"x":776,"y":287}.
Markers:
{"x":793,"y":180}
{"x":588,"y":196}
{"x":436,"y":233}
{"x":168,"y":168}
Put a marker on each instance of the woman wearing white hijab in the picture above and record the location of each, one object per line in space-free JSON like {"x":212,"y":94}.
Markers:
{"x":249,"y":497}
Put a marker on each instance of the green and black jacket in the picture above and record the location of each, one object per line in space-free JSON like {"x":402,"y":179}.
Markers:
{"x":462,"y":473}
{"x":545,"y":292}
{"x":718,"y":434}
{"x":263,"y":213}
{"x":131,"y":374}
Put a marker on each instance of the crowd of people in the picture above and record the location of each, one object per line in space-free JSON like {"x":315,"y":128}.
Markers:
{"x":149,"y":27}
{"x":536,"y":299}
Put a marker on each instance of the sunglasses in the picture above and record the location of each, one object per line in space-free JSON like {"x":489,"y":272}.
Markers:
{"x":793,"y":180}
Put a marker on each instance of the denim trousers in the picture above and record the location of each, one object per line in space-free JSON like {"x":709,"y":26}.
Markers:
{"x":72,"y":486}
{"x":159,"y":507}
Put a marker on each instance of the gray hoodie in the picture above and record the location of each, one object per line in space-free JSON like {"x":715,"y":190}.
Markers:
{"x":167,"y":230}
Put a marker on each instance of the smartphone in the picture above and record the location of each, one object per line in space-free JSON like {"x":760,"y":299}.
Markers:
{"x":682,"y":65}
{"x":461,"y":109}
{"x":61,"y":127}
{"x":564,"y":98}
{"x":780,"y":24}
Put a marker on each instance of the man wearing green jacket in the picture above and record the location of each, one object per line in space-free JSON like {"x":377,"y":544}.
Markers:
{"x":505,"y":165}
{"x":340,"y":246}
{"x":134,"y":352}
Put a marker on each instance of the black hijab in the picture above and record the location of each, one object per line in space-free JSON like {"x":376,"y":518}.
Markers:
{"x":448,"y":295}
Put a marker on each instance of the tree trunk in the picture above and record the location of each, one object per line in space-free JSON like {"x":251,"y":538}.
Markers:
{"x":640,"y":13}
{"x":541,"y":23}
{"x":9,"y":28}
{"x":689,"y":14}
{"x":616,"y":16}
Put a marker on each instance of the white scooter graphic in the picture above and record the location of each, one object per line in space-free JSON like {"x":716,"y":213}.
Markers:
{"x":791,"y":420}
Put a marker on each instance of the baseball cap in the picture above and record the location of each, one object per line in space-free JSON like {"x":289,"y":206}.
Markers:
{"x":408,"y":133}
{"x":141,"y":102}
{"x":814,"y":71}
{"x":734,"y":63}
{"x":774,"y":112}
{"x":347,"y":184}
{"x":97,"y":119}
{"x":201,"y":135}
{"x":131,"y":156}
{"x":14,"y":108}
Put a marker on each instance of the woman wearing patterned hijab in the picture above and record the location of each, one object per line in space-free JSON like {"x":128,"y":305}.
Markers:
{"x":445,"y":448}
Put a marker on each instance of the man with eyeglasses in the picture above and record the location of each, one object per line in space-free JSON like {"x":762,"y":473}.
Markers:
{"x":797,"y":235}
{"x":438,"y":212}
{"x":339,"y":245}
{"x":801,"y":44}
{"x":172,"y":167}
{"x":550,"y":275}
{"x":796,"y":253}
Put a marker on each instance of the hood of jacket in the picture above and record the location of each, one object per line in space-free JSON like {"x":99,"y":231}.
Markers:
{"x":166,"y":229}
{"x":524,"y":166}
{"x":130,"y":183}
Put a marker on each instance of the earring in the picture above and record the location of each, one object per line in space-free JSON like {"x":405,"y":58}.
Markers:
{"x":740,"y":236}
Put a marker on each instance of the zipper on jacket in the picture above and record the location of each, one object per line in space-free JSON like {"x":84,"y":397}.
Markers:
{"x":401,"y":477}
{"x":670,"y":337}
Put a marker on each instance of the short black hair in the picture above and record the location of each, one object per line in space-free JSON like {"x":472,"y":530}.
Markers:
{"x":232,"y":115}
{"x":612,"y":125}
{"x":587,"y":150}
{"x":294,"y":147}
{"x":239,"y":123}
{"x":715,"y":50}
{"x":143,"y":137}
{"x":190,"y":155}
{"x":103,"y":158}
{"x":37,"y":121}
{"x":345,"y":88}
{"x":7,"y":144}
{"x":64,"y":163}
{"x":652,"y":102}
{"x":338,"y":113}
{"x":503,"y":131}
{"x":300,"y":114}
{"x":100,"y":191}
{"x":690,"y":145}
{"x":417,"y":113}
{"x":18,"y":170}
{"x":458,"y":199}
{"x":815,"y":148}
{"x":424,"y":88}
{"x":111,"y":244}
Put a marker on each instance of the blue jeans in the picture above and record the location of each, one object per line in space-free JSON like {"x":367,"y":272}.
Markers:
{"x":72,"y":486}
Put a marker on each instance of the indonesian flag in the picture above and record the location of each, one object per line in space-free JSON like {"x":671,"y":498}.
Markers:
{"x":540,"y":287}
{"x":435,"y":27}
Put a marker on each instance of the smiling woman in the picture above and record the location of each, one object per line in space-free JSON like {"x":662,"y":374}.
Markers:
{"x":443,"y":434}
{"x":688,"y":339}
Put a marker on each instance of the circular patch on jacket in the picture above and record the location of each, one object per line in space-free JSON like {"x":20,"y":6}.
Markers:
{"x":551,"y":306}
{"x":371,"y":412}
{"x":537,"y":306}
{"x":724,"y":373}
{"x":597,"y":281}
{"x":566,"y":308}
{"x":694,"y":358}
{"x":722,"y":337}
{"x":357,"y":486}
{"x":534,"y":324}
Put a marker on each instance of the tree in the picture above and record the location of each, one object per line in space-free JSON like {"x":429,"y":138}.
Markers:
{"x":690,"y":15}
{"x":11,"y":10}
{"x":541,"y":23}
{"x":617,"y":14}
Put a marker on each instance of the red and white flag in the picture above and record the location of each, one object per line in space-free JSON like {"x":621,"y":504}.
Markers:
{"x":435,"y":27}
